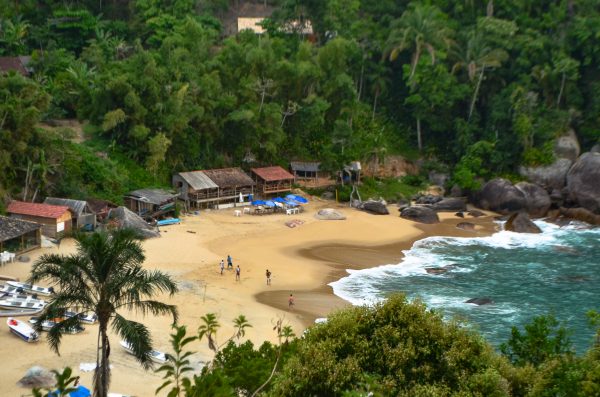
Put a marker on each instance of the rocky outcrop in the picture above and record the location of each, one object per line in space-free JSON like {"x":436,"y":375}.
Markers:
{"x":580,"y":214}
{"x":468,"y":226}
{"x":480,"y":301}
{"x":420,"y":214}
{"x":595,"y":148}
{"x":475,"y":213}
{"x":451,"y":204}
{"x":520,"y":223}
{"x":537,"y":199}
{"x":501,"y":196}
{"x":456,"y":191}
{"x":567,"y":146}
{"x":329,"y":214}
{"x":583,"y":182}
{"x":438,"y":178}
{"x":436,"y":270}
{"x":374,"y":207}
{"x":551,"y":176}
{"x":428,"y":199}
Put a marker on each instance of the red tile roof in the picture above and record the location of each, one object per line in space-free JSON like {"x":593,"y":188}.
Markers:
{"x":274,"y":173}
{"x":36,"y":209}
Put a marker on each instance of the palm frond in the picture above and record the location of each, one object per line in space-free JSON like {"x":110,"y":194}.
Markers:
{"x":138,"y":337}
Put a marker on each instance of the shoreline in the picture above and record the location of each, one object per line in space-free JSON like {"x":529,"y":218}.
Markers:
{"x":340,"y":257}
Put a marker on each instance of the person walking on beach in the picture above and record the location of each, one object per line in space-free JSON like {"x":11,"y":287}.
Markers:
{"x":222,"y":266}
{"x":268,"y":273}
{"x":237,"y":273}
{"x":291,"y":301}
{"x":229,"y":262}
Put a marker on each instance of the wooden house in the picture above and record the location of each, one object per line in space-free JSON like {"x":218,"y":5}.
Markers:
{"x":100,"y":207}
{"x":18,"y":236}
{"x":83,"y":216}
{"x":272,"y":180}
{"x":233,"y":184}
{"x":196,"y":189}
{"x":55,"y":219}
{"x":151,"y":203}
{"x":308,"y":173}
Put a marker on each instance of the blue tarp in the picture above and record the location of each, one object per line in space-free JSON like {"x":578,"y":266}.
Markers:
{"x":81,"y":391}
{"x":280,"y":200}
{"x":269,"y":203}
{"x":299,"y":199}
{"x":258,"y":202}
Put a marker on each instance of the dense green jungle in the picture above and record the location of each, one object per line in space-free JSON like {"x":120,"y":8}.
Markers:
{"x":471,"y":88}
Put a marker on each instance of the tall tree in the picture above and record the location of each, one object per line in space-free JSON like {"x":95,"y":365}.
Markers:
{"x":421,"y":27}
{"x":105,"y":276}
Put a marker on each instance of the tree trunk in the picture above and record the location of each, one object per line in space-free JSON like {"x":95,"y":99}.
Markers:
{"x":102,"y":372}
{"x":360,"y":79}
{"x":562,"y":87}
{"x":375,"y":104}
{"x":476,"y":93}
{"x":419,"y":138}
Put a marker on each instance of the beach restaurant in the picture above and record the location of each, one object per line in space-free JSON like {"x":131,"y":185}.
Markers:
{"x":17,"y":236}
{"x":272,"y":180}
{"x":55,"y":219}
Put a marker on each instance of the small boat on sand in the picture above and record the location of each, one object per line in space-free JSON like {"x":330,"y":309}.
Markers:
{"x":155,"y":355}
{"x":88,"y":318}
{"x":48,"y":324}
{"x":36,"y":289}
{"x":22,"y":304}
{"x":22,"y":330}
{"x":20,"y":297}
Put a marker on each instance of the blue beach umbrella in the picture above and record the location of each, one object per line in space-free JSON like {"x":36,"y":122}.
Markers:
{"x":299,"y":199}
{"x":81,"y":391}
{"x":269,"y":203}
{"x":292,"y":203}
{"x":280,"y":200}
{"x":258,"y":202}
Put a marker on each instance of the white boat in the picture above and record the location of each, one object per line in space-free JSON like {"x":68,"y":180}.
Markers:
{"x":36,"y":289}
{"x":20,"y":304}
{"x":22,"y":330}
{"x":20,"y":297}
{"x":48,"y":324}
{"x":155,"y":355}
{"x":88,"y":318}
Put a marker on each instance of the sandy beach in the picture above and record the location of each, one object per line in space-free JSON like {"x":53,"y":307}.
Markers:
{"x":303,"y":260}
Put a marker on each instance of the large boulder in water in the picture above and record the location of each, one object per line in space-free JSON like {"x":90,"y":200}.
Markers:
{"x":537,"y":199}
{"x":480,"y":301}
{"x":520,"y":223}
{"x":452,"y":204}
{"x":420,"y":214}
{"x":375,"y":207}
{"x":583,"y":182}
{"x":580,"y":214}
{"x":501,"y":196}
{"x":122,"y":218}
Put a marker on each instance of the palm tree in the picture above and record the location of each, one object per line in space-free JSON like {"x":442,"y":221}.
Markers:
{"x":477,"y":57}
{"x":105,"y":276}
{"x":420,"y":27}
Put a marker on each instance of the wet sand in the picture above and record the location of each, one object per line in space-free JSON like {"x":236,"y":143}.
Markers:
{"x":303,"y":260}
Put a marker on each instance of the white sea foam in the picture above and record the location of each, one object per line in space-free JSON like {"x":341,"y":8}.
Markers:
{"x":363,"y":286}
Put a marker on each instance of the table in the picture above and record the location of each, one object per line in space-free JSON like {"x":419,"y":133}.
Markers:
{"x":237,"y":213}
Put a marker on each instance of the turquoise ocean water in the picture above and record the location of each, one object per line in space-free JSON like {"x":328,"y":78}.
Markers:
{"x":525,"y":275}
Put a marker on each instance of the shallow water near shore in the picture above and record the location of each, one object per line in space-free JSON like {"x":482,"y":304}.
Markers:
{"x":525,"y":275}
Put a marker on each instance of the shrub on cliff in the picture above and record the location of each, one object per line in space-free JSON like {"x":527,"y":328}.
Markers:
{"x":396,"y":348}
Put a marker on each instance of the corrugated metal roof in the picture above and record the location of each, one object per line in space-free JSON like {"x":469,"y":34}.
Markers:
{"x":198,"y":180}
{"x":152,"y":196}
{"x":77,"y":206}
{"x":310,"y":166}
{"x":37,"y":209}
{"x":274,"y":173}
{"x":229,"y":177}
{"x":11,"y":227}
